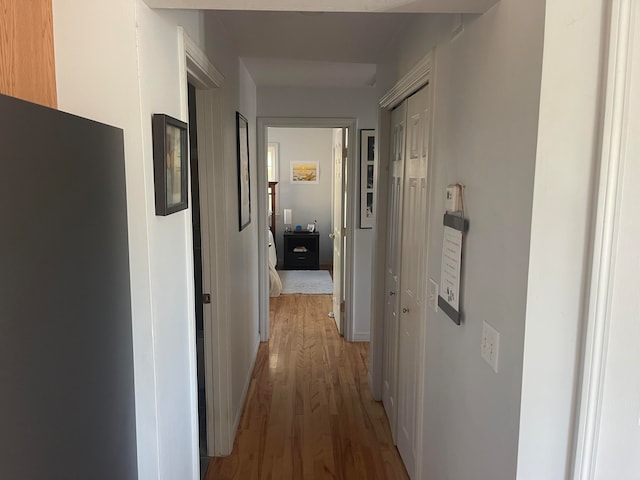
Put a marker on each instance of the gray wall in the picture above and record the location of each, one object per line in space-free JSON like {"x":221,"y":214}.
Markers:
{"x":307,"y":202}
{"x":486,"y":97}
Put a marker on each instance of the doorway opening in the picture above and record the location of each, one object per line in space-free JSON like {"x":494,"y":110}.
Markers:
{"x":306,"y":218}
{"x":307,"y":212}
{"x":197,"y":273}
{"x":210,"y":355}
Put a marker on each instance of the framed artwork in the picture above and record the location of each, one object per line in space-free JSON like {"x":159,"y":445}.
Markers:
{"x":170,"y":168}
{"x":304,"y":172}
{"x":367,"y":179}
{"x":244,"y":182}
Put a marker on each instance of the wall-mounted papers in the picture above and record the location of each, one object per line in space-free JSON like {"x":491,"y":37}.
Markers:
{"x":451,"y":268}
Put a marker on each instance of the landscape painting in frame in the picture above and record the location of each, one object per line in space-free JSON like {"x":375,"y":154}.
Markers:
{"x":304,"y":172}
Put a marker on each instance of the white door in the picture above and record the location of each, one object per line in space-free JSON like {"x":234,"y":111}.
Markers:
{"x":618,"y":450}
{"x":339,"y":155}
{"x":618,"y":439}
{"x":413,"y":274}
{"x":392,"y":266}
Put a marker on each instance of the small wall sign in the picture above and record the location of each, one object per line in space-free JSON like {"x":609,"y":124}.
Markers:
{"x":450,"y":270}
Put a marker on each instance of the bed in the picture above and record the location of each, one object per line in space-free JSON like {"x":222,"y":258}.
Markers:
{"x":275,"y":285}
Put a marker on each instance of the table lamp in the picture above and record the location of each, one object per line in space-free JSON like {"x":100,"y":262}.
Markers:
{"x":287,"y":219}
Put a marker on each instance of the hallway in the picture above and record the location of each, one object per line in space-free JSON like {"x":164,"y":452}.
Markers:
{"x":309,"y":412}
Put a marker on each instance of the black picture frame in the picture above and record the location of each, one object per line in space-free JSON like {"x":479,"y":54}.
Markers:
{"x":244,"y":177}
{"x":170,"y":164}
{"x":367,"y":178}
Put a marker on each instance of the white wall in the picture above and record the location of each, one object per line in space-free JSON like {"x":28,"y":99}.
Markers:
{"x":307,"y":202}
{"x":173,"y":313}
{"x":119,"y":62}
{"x":97,"y":77}
{"x":488,"y":411}
{"x":359,"y":103}
{"x":562,"y":201}
{"x":238,"y":94}
{"x":487,"y":85}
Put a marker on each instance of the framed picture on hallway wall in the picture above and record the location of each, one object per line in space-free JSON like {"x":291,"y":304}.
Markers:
{"x":367,"y":168}
{"x":244,"y":182}
{"x":169,"y":164}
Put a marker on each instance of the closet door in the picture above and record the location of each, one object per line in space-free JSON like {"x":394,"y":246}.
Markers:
{"x":392,"y":267}
{"x":413,"y":275}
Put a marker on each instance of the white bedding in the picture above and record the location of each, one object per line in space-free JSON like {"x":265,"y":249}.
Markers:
{"x":275,"y":285}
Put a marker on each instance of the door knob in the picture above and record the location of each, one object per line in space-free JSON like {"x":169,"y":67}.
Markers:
{"x":405,"y":310}
{"x":391,"y":294}
{"x":332,"y":235}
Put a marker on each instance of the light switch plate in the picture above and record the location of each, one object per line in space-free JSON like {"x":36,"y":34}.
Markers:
{"x":490,"y":345}
{"x":434,"y":289}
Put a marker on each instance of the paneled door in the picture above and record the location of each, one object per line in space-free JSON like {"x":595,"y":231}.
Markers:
{"x":339,"y":155}
{"x":392,"y":266}
{"x":613,"y":430}
{"x":413,"y":274}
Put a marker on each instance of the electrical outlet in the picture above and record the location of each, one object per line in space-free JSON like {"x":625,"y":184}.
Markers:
{"x":434,"y":289}
{"x":490,"y":346}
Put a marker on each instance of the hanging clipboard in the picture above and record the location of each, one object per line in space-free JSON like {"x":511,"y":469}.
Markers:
{"x":451,"y":267}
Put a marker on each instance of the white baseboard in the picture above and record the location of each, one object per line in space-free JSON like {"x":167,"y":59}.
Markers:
{"x":370,"y":383}
{"x":245,"y":389}
{"x":361,"y":337}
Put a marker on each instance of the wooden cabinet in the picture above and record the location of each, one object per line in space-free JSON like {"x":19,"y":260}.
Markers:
{"x":301,"y":251}
{"x":27,"y":64}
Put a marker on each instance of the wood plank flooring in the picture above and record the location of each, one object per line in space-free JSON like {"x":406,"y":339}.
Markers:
{"x":309,"y":412}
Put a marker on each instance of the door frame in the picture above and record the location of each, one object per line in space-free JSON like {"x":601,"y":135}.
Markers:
{"x":603,"y":238}
{"x":263,"y":123}
{"x":196,"y":68}
{"x":420,"y":75}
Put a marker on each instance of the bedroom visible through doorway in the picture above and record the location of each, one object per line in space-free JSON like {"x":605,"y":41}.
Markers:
{"x":306,"y":172}
{"x":306,"y":211}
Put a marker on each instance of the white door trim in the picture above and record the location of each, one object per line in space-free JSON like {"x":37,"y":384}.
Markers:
{"x":202,"y":73}
{"x":263,"y":236}
{"x":383,"y":153}
{"x":420,"y":75}
{"x":416,"y":78}
{"x":413,"y":81}
{"x":604,"y":241}
{"x":263,"y":123}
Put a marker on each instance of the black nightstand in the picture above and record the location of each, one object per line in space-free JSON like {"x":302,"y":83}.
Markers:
{"x":301,"y":251}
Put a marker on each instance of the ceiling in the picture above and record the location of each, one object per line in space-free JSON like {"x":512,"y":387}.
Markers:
{"x":377,"y":6}
{"x":274,"y":72}
{"x":320,"y":43}
{"x":331,"y":37}
{"x":311,"y":49}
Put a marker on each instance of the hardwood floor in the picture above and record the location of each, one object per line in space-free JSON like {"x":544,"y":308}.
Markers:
{"x":309,"y":412}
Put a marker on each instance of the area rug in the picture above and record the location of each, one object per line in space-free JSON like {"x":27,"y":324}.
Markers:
{"x":314,"y":282}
